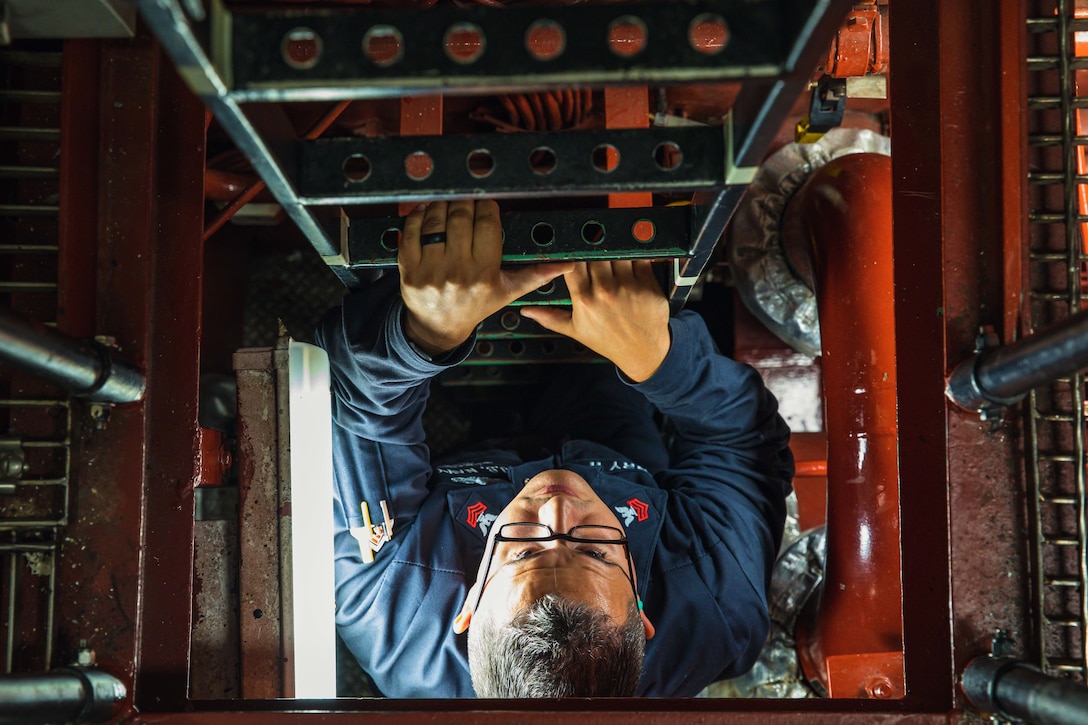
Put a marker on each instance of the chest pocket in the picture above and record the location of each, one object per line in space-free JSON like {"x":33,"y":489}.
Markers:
{"x":641,"y":510}
{"x":474,"y":510}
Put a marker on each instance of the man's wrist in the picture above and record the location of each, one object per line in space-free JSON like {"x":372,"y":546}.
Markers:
{"x":429,"y":343}
{"x":641,"y":370}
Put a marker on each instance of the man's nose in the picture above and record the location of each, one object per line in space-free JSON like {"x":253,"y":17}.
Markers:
{"x":560,"y":513}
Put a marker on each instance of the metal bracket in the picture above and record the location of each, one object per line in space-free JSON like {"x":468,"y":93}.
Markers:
{"x":678,"y":279}
{"x":963,"y":389}
{"x":735,"y":175}
{"x":825,"y":112}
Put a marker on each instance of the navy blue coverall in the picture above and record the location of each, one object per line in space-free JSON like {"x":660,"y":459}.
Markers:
{"x":703,"y":513}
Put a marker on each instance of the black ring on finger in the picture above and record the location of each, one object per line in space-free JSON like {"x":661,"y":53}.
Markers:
{"x":435,"y":238}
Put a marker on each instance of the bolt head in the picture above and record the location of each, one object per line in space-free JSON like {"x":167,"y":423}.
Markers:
{"x":880,"y":688}
{"x":12,"y":466}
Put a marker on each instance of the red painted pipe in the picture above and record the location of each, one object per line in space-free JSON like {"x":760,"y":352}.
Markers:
{"x":812,"y":469}
{"x":250,"y":192}
{"x":225,"y":185}
{"x":855,"y":645}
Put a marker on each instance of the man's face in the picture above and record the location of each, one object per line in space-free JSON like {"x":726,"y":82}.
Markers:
{"x":522,"y":572}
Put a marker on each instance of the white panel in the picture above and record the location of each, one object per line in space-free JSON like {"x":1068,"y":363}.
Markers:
{"x":311,"y":523}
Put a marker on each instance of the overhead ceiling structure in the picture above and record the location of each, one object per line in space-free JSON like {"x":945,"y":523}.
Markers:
{"x":349,"y":113}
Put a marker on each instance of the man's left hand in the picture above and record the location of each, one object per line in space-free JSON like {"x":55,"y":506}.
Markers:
{"x":451,"y":287}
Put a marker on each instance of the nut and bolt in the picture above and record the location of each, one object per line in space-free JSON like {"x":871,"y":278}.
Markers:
{"x":85,"y":657}
{"x":12,"y":466}
{"x":880,"y":688}
{"x":100,"y":414}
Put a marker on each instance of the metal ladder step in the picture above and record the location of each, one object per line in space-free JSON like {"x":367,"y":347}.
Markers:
{"x":1058,"y":457}
{"x":1054,"y":139}
{"x":16,"y":96}
{"x":1052,"y":296}
{"x":1054,"y":257}
{"x":1065,"y":664}
{"x":1052,"y":62}
{"x":38,"y":59}
{"x":1053,"y":25}
{"x":1054,"y":417}
{"x":28,"y":172}
{"x":1064,"y":582}
{"x":1050,"y":216}
{"x":1054,"y":177}
{"x":31,"y":287}
{"x":29,"y":210}
{"x":1068,"y":622}
{"x":28,"y":249}
{"x":1059,"y":500}
{"x":18,"y":133}
{"x":1053,"y":103}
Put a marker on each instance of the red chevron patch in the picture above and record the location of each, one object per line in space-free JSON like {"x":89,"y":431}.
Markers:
{"x":474,"y":512}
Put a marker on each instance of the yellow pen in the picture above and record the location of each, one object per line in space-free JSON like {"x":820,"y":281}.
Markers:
{"x":364,"y":545}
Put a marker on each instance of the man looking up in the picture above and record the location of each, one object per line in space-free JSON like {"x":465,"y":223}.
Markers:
{"x":558,"y":561}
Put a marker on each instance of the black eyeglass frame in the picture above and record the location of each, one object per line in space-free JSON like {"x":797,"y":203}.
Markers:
{"x":552,"y":536}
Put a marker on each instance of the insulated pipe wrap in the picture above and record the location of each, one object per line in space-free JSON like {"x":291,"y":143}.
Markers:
{"x":770,"y":262}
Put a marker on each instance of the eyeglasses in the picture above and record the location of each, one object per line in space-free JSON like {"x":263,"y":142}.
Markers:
{"x":598,"y":542}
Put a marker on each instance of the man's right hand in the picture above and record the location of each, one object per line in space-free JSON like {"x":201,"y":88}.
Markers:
{"x":617,"y":310}
{"x":449,"y":288}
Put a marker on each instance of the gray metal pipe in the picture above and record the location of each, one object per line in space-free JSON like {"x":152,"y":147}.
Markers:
{"x":86,"y":369}
{"x":1004,"y":375}
{"x":1020,"y":691}
{"x":70,"y":694}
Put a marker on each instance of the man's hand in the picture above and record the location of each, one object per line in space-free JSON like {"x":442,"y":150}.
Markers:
{"x":618,"y":311}
{"x":449,"y":288}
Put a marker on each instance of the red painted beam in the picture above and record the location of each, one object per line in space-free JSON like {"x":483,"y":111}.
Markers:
{"x":125,"y":571}
{"x":172,"y":431}
{"x":963,"y":548}
{"x":98,"y":575}
{"x":982,"y":229}
{"x":917,"y":188}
